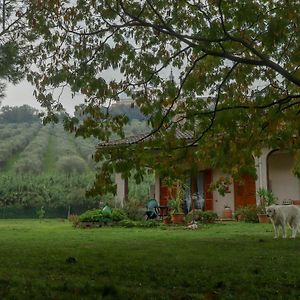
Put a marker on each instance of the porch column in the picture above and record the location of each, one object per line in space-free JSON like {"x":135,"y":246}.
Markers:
{"x":157,"y":188}
{"x":261,"y":171}
{"x":122,"y":189}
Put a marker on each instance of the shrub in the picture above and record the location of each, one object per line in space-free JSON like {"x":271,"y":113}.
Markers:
{"x":209,"y":216}
{"x":98,"y":215}
{"x":239,"y":214}
{"x":142,"y":224}
{"x":134,"y":211}
{"x":127,"y":223}
{"x":41,"y":213}
{"x":201,"y":216}
{"x":266,"y":197}
{"x":194,"y":215}
{"x":93,"y":215}
{"x":249,"y":213}
{"x":118,"y":215}
{"x":74,"y":219}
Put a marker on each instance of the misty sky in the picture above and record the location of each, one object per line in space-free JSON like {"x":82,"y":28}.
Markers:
{"x":22,"y":93}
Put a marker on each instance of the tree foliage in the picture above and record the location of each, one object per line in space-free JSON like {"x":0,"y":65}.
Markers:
{"x":235,"y":85}
{"x":19,"y":114}
{"x":45,"y":165}
{"x":51,"y":191}
{"x":14,"y":41}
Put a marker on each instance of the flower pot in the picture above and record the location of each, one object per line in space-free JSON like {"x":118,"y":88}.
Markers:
{"x":167,"y":220}
{"x":227,"y":213}
{"x":240,"y":217}
{"x":177,"y":218}
{"x":263,"y":218}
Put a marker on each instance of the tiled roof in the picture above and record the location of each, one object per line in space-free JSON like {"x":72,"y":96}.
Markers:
{"x":187,"y":135}
{"x":126,"y":141}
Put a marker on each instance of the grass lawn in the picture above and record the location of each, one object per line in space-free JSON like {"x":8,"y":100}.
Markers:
{"x":221,"y":261}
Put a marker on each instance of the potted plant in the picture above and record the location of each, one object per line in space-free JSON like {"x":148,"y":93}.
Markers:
{"x":248,"y":213}
{"x":266,"y":198}
{"x":176,"y":206}
{"x":167,"y":220}
{"x":227,"y":212}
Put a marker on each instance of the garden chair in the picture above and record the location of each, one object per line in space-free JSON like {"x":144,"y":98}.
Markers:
{"x":152,"y":209}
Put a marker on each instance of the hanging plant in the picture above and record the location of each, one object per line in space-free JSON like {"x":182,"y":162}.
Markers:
{"x":222,"y":185}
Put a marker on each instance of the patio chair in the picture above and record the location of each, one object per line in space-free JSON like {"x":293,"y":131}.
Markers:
{"x":152,"y":209}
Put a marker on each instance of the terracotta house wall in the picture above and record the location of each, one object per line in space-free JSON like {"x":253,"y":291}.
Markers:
{"x":166,"y":193}
{"x":238,"y":193}
{"x":274,"y":171}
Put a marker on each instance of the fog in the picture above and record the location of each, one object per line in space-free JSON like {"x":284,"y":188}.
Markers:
{"x":22,"y":93}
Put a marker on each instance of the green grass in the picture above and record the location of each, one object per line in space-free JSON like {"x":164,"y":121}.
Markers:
{"x":50,"y":159}
{"x":221,"y":261}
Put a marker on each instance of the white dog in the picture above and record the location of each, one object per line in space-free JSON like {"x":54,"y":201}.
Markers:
{"x":282,"y":215}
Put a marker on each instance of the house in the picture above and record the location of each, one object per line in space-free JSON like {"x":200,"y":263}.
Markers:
{"x":273,"y":169}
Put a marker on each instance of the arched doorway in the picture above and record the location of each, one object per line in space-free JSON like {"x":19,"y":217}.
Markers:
{"x":281,"y":180}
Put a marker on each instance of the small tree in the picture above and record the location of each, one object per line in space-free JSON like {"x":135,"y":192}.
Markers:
{"x":41,"y":213}
{"x":266,"y":197}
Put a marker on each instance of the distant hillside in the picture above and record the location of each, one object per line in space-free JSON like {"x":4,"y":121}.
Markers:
{"x":30,"y":148}
{"x":45,"y":166}
{"x":18,"y":114}
{"x":131,"y":111}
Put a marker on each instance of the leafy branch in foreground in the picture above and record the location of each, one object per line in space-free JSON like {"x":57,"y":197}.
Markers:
{"x":14,"y":41}
{"x":236,"y":82}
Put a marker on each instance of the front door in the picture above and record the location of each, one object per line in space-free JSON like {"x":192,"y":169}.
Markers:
{"x":244,"y":192}
{"x":166,"y":193}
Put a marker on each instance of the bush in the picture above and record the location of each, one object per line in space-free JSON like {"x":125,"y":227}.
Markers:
{"x":142,"y":224}
{"x":127,"y":223}
{"x":248,"y":213}
{"x":209,"y":217}
{"x":134,"y":211}
{"x":93,"y":215}
{"x":41,"y":213}
{"x":74,"y":219}
{"x":194,"y":215}
{"x":118,"y":215}
{"x":98,"y":215}
{"x":201,"y":216}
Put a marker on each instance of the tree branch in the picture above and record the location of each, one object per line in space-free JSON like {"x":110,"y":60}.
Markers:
{"x":264,"y":58}
{"x":214,"y":112}
{"x":173,"y":101}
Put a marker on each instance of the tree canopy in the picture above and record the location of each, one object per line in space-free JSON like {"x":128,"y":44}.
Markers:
{"x":19,"y":114}
{"x":14,"y":41}
{"x":235,"y":81}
